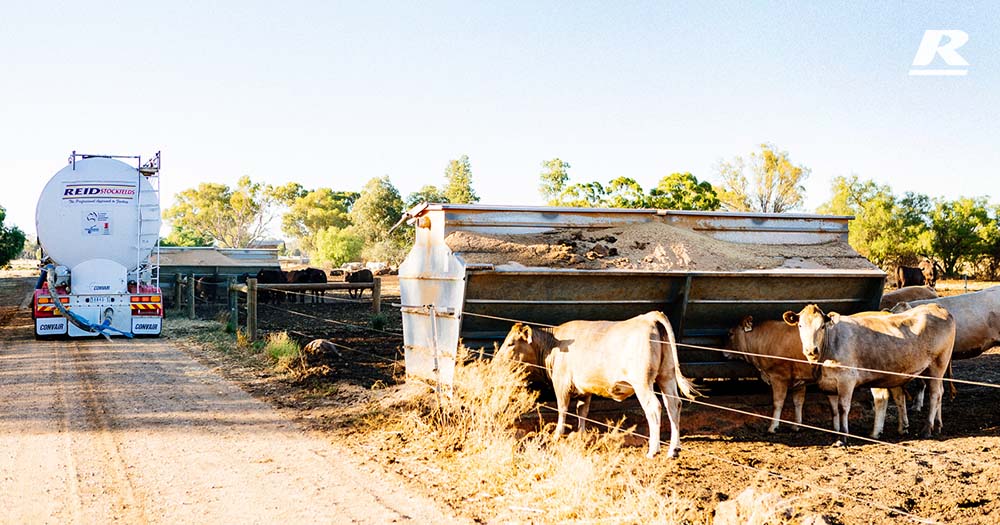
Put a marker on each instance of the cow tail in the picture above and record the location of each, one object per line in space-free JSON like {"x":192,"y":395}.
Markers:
{"x":684,"y":385}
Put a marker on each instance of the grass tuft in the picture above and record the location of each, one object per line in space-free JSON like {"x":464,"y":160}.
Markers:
{"x":282,"y":350}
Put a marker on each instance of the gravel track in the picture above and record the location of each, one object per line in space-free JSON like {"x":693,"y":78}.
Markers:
{"x":93,"y":431}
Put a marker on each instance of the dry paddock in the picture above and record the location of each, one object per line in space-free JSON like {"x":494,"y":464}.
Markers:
{"x":951,"y":478}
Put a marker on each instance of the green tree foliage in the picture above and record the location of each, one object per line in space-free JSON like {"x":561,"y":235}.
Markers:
{"x":553,"y":181}
{"x":682,"y":191}
{"x":458,"y":185}
{"x":428,"y":193}
{"x":766,"y":182}
{"x":180,"y":236}
{"x":376,"y":211}
{"x":961,"y":229}
{"x":229,"y":217}
{"x":338,"y":246}
{"x":11,"y":240}
{"x":886,"y":229}
{"x":624,"y":192}
{"x":309,"y":212}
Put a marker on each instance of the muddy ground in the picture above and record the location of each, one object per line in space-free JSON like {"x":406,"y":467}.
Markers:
{"x":951,"y":478}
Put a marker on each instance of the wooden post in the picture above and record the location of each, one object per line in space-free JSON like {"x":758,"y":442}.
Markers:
{"x":178,"y":282}
{"x":234,"y":305}
{"x":252,"y":308}
{"x":190,"y":296}
{"x":377,"y":295}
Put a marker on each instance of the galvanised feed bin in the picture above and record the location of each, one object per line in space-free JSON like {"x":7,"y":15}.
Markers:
{"x":474,"y":270}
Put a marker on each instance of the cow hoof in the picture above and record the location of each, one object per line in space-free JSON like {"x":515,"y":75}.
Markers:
{"x":840,"y":444}
{"x":674,"y":453}
{"x":796,"y":428}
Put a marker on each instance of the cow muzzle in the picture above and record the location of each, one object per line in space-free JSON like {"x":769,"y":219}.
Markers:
{"x":812,"y":354}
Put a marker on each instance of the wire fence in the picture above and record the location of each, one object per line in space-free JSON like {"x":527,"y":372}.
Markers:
{"x":714,"y":406}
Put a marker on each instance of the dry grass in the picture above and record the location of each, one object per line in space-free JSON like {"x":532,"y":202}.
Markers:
{"x":500,"y":474}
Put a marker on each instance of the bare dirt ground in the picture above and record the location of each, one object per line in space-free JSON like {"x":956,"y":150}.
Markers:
{"x":135,"y":432}
{"x":951,"y":478}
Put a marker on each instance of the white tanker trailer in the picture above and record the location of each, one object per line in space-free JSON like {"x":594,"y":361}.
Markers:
{"x":98,"y":223}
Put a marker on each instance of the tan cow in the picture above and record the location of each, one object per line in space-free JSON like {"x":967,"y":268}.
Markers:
{"x":775,"y":349}
{"x":977,"y":320}
{"x":890,"y":348}
{"x":906,"y":294}
{"x":610,"y":359}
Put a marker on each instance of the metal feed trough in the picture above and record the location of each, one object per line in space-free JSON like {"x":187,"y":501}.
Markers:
{"x":474,"y":270}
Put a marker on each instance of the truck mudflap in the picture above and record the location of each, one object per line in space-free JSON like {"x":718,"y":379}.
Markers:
{"x":147,"y":325}
{"x":50,"y":326}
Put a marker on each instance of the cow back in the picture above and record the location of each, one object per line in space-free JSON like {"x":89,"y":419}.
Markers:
{"x":905,"y":343}
{"x":977,"y":320}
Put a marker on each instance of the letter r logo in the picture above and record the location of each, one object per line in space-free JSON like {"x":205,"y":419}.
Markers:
{"x":934,"y":44}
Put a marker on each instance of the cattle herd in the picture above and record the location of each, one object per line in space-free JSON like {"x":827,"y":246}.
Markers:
{"x":914,"y":336}
{"x":213,"y":288}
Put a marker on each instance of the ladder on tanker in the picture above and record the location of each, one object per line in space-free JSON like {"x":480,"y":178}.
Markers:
{"x":148,"y":213}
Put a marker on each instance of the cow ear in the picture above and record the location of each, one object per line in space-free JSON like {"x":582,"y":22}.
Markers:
{"x":525,"y":333}
{"x":791,"y":318}
{"x":747,"y":323}
{"x":832,"y":317}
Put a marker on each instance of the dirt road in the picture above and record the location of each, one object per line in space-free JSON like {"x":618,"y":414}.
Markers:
{"x":137,"y":432}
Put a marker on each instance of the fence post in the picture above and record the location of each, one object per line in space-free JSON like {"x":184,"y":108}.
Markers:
{"x":190,"y":296}
{"x":234,"y":305}
{"x":377,"y":295}
{"x":252,"y":308}
{"x":178,"y":281}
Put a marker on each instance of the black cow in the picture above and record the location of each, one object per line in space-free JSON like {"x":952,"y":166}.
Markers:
{"x":363,"y":275}
{"x":307,"y":276}
{"x":926,"y":273}
{"x":270,"y":276}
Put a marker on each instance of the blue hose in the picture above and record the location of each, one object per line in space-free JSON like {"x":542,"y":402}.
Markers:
{"x":75,"y":318}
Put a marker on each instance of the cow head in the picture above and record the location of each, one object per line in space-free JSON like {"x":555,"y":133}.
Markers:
{"x":812,"y":323}
{"x":518,"y":345}
{"x":737,"y":338}
{"x":929,"y":269}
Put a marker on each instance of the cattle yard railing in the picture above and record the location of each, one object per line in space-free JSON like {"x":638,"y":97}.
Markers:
{"x":252,"y":290}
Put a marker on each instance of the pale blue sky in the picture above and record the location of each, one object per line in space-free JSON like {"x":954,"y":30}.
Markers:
{"x":335,"y":93}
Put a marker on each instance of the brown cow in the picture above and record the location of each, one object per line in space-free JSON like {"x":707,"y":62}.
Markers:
{"x":775,"y":349}
{"x":891,"y":349}
{"x":907,"y":294}
{"x":610,"y":359}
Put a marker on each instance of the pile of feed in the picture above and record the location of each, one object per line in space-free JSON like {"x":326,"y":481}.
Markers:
{"x":652,"y":246}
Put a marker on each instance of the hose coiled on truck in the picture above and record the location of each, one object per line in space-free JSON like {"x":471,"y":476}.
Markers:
{"x":76,"y":319}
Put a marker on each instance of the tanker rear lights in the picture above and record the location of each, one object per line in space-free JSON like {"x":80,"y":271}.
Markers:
{"x":48,"y":300}
{"x":145,"y":298}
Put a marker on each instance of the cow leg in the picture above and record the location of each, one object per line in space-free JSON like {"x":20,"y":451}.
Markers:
{"x":934,"y":407}
{"x":798,"y":399}
{"x":779,"y":389}
{"x":835,"y":411}
{"x":672,"y":402}
{"x":651,"y":406}
{"x":952,"y":391}
{"x":562,"y":404}
{"x":845,"y":391}
{"x":582,"y":409}
{"x":899,"y":398}
{"x":881,"y":398}
{"x":918,"y":400}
